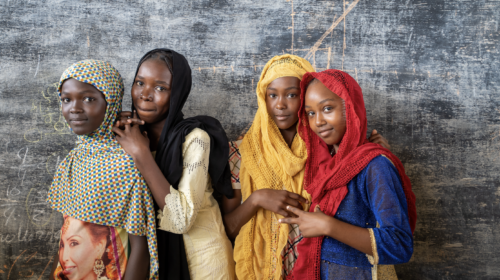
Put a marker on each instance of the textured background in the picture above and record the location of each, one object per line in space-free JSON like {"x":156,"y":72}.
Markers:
{"x":428,"y":70}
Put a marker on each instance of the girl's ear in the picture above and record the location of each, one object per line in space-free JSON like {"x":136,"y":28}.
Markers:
{"x":101,"y":247}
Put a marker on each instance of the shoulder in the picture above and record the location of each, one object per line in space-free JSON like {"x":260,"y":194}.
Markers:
{"x":380,"y":161}
{"x":197,"y":133}
{"x":196,"y":140}
{"x":379,"y":166}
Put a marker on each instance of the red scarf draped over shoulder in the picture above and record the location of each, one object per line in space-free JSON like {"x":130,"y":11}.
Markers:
{"x":326,"y":177}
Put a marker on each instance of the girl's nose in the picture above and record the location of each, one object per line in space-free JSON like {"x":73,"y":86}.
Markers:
{"x":76,"y":108}
{"x":319,"y":121}
{"x":64,"y":256}
{"x":280,"y":105}
{"x":147,"y":93}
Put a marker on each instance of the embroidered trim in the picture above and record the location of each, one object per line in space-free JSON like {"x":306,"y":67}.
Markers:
{"x":373,"y":259}
{"x":285,"y":61}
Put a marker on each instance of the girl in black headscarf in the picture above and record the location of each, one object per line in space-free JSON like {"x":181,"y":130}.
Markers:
{"x":183,"y":162}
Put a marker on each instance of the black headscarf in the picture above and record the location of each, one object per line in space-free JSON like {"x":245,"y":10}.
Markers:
{"x":172,"y":255}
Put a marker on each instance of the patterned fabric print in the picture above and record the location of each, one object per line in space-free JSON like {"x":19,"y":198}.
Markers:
{"x":235,"y":163}
{"x":290,"y":254}
{"x":98,"y":182}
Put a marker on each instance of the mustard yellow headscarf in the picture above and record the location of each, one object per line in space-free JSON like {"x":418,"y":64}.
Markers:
{"x":268,"y":163}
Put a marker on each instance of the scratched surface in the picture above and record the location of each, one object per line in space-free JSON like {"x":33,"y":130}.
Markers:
{"x":428,"y":69}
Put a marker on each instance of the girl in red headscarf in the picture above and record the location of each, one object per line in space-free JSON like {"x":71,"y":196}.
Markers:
{"x":363,"y":208}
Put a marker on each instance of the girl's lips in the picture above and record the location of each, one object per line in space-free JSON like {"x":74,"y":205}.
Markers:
{"x":77,"y":122}
{"x":282,"y":118}
{"x":143,"y":109}
{"x":69,"y":270}
{"x":325,"y":133}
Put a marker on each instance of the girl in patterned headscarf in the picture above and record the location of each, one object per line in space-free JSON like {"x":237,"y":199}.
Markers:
{"x":109,"y":224}
{"x":270,"y":175}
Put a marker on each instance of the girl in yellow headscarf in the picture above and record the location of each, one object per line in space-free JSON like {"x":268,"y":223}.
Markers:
{"x":268,"y":166}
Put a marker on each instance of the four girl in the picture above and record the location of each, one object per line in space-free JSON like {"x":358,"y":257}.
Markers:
{"x":276,"y":175}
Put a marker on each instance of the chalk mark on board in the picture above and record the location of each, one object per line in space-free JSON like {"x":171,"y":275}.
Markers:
{"x":37,"y":66}
{"x":10,"y":270}
{"x":45,"y":268}
{"x":336,"y":22}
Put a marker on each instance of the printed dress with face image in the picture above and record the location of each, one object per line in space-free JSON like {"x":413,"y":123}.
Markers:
{"x":91,"y":251}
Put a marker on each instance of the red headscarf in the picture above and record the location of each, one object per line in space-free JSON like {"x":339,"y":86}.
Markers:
{"x":326,"y":177}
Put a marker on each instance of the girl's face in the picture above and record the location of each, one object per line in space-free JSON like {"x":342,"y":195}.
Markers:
{"x":151,"y":91}
{"x":83,"y":106}
{"x":283,"y":101}
{"x":325,"y":111}
{"x":77,"y":252}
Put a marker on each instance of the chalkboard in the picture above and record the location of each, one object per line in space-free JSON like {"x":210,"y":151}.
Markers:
{"x":429,"y":71}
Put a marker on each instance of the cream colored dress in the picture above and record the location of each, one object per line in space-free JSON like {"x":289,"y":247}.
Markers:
{"x":192,"y":211}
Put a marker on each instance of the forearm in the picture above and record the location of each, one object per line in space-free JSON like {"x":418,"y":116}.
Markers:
{"x":354,"y":236}
{"x":138,"y":262}
{"x":157,"y":182}
{"x":234,"y":220}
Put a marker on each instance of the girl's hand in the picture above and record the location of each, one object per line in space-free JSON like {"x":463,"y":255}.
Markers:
{"x":277,"y":200}
{"x":126,"y":117}
{"x":310,"y":224}
{"x":379,"y":139}
{"x":131,"y":139}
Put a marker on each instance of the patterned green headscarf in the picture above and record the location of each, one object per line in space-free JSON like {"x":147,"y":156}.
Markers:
{"x":98,"y":181}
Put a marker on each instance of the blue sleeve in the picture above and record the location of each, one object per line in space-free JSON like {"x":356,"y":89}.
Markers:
{"x":393,"y":239}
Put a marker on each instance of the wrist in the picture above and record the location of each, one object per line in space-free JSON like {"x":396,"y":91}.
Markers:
{"x":330,"y":227}
{"x":140,"y":154}
{"x":255,"y":199}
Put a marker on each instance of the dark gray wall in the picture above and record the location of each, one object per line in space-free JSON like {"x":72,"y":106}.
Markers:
{"x":428,"y":69}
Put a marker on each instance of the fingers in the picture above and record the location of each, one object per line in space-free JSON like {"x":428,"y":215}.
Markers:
{"x":118,"y":131}
{"x":297,"y":197}
{"x":289,"y":220}
{"x":135,"y":114}
{"x":135,"y":121}
{"x":293,"y":202}
{"x":294,"y":210}
{"x":125,"y":114}
{"x":127,"y":127}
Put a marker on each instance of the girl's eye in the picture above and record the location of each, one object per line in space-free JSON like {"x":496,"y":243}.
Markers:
{"x":272,"y":95}
{"x":327,"y":109}
{"x":292,"y":95}
{"x":158,"y":88}
{"x":88,"y":99}
{"x":310,"y":113}
{"x":139,"y":83}
{"x":73,"y":243}
{"x":65,"y":100}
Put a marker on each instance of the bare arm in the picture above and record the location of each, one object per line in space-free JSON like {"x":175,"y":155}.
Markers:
{"x":136,"y":144}
{"x":272,"y":200}
{"x":319,"y":224}
{"x":138,"y":262}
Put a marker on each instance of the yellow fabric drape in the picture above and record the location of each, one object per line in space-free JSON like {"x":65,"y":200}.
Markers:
{"x":268,"y":163}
